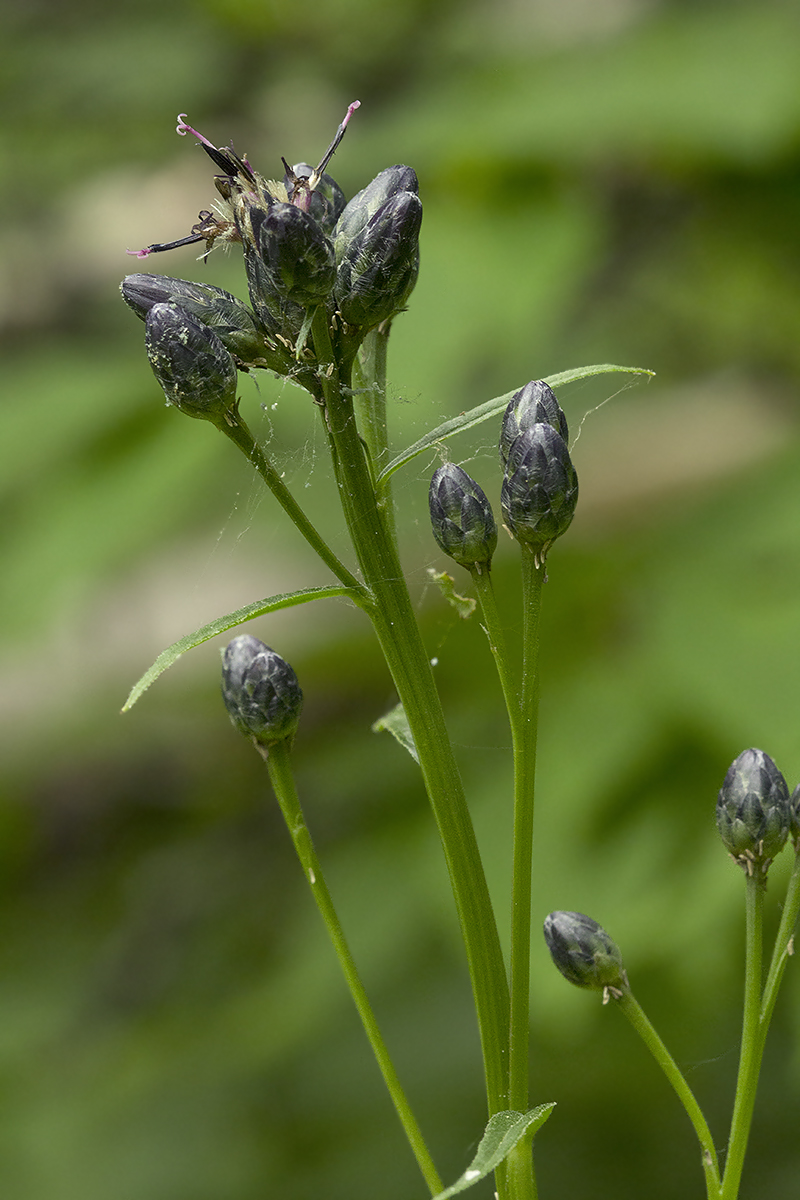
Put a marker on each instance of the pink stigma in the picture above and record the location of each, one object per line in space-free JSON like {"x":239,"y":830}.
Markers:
{"x":351,"y":108}
{"x":182,"y":128}
{"x":139,"y":253}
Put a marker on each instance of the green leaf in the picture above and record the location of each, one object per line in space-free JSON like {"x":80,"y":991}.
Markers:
{"x":464,"y":605}
{"x":257,"y":609}
{"x":493,"y":408}
{"x":396,"y":723}
{"x":503,"y":1132}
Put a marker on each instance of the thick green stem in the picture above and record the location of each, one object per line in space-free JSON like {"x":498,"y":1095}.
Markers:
{"x":752,"y":1042}
{"x":708,"y":1154}
{"x":280,"y":772}
{"x":236,"y":430}
{"x":401,"y":642}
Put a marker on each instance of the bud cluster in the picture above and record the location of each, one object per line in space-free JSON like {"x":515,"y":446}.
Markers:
{"x":304,"y":246}
{"x":540,"y":485}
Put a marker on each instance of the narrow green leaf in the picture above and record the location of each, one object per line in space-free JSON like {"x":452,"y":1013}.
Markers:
{"x":503,"y":1132}
{"x":493,"y":408}
{"x":257,"y":609}
{"x":395,"y":722}
{"x":464,"y":605}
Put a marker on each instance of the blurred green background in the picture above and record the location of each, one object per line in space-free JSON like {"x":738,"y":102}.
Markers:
{"x":604,"y":180}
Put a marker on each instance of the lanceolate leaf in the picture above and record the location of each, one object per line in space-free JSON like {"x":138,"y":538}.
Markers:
{"x":493,"y":408}
{"x":257,"y":609}
{"x":502,"y":1134}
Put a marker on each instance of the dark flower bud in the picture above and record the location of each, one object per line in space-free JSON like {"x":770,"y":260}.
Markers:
{"x":195,"y":370}
{"x":753,"y":811}
{"x":794,"y":818}
{"x":584,"y":953}
{"x":379,"y":266}
{"x":260,"y":690}
{"x":534,"y":404}
{"x":461,"y":516}
{"x":540,"y":488}
{"x":325,"y":203}
{"x":364,"y":205}
{"x":297,"y":255}
{"x":233,"y":322}
{"x":275,"y":313}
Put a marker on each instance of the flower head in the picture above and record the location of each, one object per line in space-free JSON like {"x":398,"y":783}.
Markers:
{"x":304,"y":248}
{"x":241,"y":189}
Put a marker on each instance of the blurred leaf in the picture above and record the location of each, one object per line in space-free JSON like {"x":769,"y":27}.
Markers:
{"x":681,"y":85}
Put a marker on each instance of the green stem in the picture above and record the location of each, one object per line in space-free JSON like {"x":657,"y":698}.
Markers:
{"x":752,"y":1042}
{"x":515,"y":1178}
{"x":636,"y":1015}
{"x":370,"y":405}
{"x":782,"y":949}
{"x":524,"y":787}
{"x":482,"y":579}
{"x":236,"y":430}
{"x":280,"y":772}
{"x":522,"y":715}
{"x":401,"y":642}
{"x":533,"y":574}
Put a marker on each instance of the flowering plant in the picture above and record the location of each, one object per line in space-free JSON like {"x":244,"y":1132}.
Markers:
{"x":326,"y":280}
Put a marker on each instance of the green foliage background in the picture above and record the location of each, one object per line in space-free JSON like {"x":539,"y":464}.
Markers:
{"x":614,"y":181}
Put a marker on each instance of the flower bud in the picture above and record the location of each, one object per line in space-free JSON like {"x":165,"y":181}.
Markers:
{"x":753,"y":811}
{"x":540,"y":488}
{"x":233,"y":322}
{"x":260,"y":690}
{"x":461,"y":516}
{"x":794,"y":818}
{"x":379,"y":266}
{"x":195,"y":370}
{"x":364,"y":205}
{"x":277,"y":314}
{"x":298,"y":257}
{"x":325,"y":203}
{"x":534,"y":404}
{"x":584,"y":953}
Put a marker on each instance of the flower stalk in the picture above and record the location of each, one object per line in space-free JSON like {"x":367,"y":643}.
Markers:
{"x":398,"y":634}
{"x":278,"y":761}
